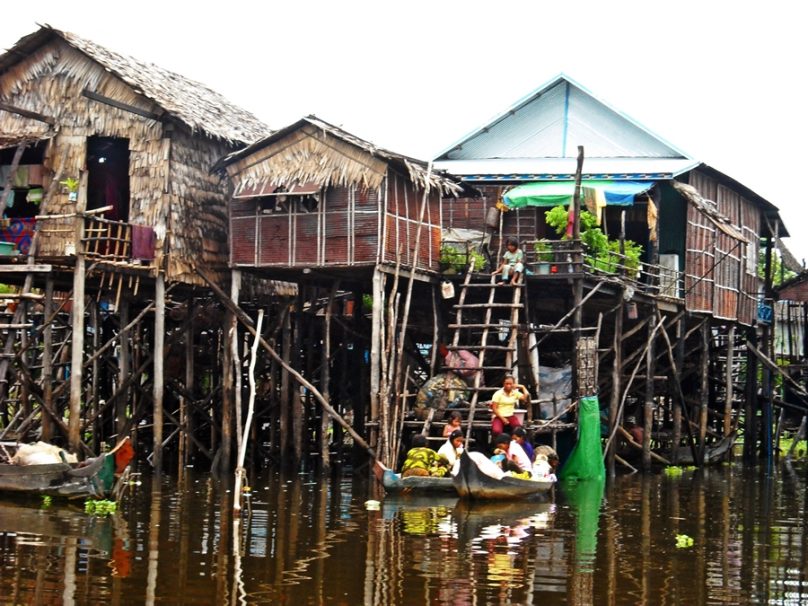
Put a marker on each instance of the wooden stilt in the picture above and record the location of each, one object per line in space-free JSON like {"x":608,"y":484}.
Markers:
{"x":617,"y":373}
{"x":185,"y":405}
{"x":325,"y":380}
{"x":376,"y":352}
{"x":159,"y":363}
{"x":95,"y":326}
{"x":704,"y":394}
{"x":47,"y":361}
{"x":728,"y":380}
{"x":235,"y":289}
{"x":124,"y":366}
{"x":225,"y":447}
{"x":298,"y":413}
{"x":677,"y":362}
{"x":648,"y":408}
{"x":286,"y":386}
{"x":76,"y":372}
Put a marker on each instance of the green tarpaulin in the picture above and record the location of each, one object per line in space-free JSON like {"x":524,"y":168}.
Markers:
{"x":554,"y":193}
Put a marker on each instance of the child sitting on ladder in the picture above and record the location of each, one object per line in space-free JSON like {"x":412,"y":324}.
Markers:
{"x":512,"y":264}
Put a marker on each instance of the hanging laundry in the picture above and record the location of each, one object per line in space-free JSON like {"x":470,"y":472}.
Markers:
{"x":652,"y":220}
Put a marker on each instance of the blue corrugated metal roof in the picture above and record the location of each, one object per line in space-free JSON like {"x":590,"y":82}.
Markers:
{"x":552,"y":121}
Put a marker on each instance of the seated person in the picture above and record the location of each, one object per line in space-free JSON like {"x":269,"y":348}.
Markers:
{"x":546,"y":463}
{"x":517,"y":454}
{"x":455,"y":422}
{"x":452,"y":448}
{"x":520,"y":436}
{"x":423,"y":461}
{"x":501,"y":456}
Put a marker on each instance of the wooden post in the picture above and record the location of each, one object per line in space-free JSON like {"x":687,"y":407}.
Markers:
{"x":728,"y":380}
{"x":124,"y":366}
{"x":648,"y":409}
{"x":578,"y":285}
{"x":95,"y":427}
{"x":751,"y":405}
{"x":235,"y":289}
{"x":679,"y":359}
{"x":704,"y":389}
{"x":286,"y":386}
{"x":325,"y":379}
{"x":377,"y":319}
{"x":225,"y":448}
{"x":617,"y":370}
{"x":47,"y":361}
{"x":77,"y":350}
{"x":188,"y":394}
{"x":298,"y":412}
{"x":158,"y":385}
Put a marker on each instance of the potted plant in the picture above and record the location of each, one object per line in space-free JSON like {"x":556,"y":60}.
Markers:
{"x":544,"y":256}
{"x":72,"y":186}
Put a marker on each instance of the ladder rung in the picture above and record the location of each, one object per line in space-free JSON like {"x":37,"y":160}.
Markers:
{"x":488,"y":285}
{"x":475,"y":369}
{"x":507,"y":326}
{"x":486,"y":305}
{"x":480,"y":347}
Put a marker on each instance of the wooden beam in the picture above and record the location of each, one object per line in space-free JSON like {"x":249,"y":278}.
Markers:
{"x":77,"y":347}
{"x":27,"y":113}
{"x":120,"y":105}
{"x":24,"y":269}
{"x":159,"y":363}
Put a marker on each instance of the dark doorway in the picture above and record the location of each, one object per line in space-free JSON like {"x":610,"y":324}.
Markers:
{"x":108,"y":179}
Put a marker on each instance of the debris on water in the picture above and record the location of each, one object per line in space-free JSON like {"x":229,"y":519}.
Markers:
{"x":683,"y":541}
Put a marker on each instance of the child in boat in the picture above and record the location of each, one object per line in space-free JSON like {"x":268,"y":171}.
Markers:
{"x":452,"y":448}
{"x":512,"y":264}
{"x":454,"y":424}
{"x":520,"y":437}
{"x":423,"y":461}
{"x":503,"y":459}
{"x":516,"y":452}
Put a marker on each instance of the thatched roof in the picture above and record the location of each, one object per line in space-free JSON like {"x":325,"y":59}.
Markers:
{"x":327,"y":155}
{"x":192,"y":103}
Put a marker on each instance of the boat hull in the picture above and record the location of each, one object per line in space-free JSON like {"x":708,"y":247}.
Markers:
{"x":471,"y":483}
{"x":59,"y":479}
{"x":394,"y":484}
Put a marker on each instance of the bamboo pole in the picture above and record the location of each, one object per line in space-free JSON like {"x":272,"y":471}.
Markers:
{"x":77,"y":350}
{"x":242,"y":445}
{"x":47,"y":360}
{"x":235,"y":288}
{"x":325,"y":378}
{"x":158,"y":387}
{"x":298,"y":413}
{"x":617,"y":373}
{"x":677,"y":361}
{"x":704,"y":364}
{"x":728,"y":380}
{"x":286,"y":400}
{"x":648,"y":408}
{"x":375,"y":351}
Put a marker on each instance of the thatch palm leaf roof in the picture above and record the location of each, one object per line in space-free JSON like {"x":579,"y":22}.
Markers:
{"x":192,"y":103}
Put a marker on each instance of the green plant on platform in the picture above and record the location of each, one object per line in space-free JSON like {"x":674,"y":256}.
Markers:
{"x":459,"y":260}
{"x":601,"y":252}
{"x":683,"y":541}
{"x":101,"y":508}
{"x":46,"y":501}
{"x":544,"y":251}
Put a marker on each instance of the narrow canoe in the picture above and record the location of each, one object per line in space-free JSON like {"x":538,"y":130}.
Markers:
{"x":471,"y":483}
{"x":60,"y":479}
{"x":394,"y":484}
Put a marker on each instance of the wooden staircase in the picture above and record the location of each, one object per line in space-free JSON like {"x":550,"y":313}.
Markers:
{"x":477,"y":328}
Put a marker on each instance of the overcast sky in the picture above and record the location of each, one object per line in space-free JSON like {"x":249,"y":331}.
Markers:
{"x":724,"y":81}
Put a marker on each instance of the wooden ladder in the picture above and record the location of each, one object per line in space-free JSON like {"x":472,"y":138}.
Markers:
{"x":463,"y":327}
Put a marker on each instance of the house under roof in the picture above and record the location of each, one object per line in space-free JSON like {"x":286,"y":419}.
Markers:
{"x":192,"y":103}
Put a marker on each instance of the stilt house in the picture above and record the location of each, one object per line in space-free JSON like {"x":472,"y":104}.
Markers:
{"x":663,"y":278}
{"x":108,"y":161}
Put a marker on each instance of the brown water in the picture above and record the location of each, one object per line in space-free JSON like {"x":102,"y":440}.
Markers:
{"x":312,"y":541}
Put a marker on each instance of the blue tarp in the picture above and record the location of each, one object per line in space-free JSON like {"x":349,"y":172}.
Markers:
{"x":553,"y":193}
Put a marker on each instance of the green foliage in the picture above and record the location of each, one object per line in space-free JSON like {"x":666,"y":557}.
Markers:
{"x":459,"y":259}
{"x":100,"y":508}
{"x":6,"y":289}
{"x":367,"y":303}
{"x":71,"y":184}
{"x":779,"y":273}
{"x":602,"y":254}
{"x":46,"y":501}
{"x":544,"y":251}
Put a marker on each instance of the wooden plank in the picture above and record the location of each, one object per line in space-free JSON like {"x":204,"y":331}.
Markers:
{"x":24,"y":269}
{"x":119,"y":104}
{"x":27,"y":113}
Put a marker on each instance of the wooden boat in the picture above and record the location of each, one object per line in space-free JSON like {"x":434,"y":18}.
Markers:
{"x":394,"y":484}
{"x":471,"y":483}
{"x":94,"y":479}
{"x":715,"y":453}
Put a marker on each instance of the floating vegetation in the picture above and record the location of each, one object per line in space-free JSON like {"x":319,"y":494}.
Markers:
{"x":46,"y":501}
{"x":100,"y":508}
{"x":683,"y":541}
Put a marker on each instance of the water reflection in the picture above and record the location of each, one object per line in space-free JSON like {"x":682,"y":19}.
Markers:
{"x":305,"y":540}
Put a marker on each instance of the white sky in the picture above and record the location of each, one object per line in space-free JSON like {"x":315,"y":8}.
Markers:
{"x":724,"y":81}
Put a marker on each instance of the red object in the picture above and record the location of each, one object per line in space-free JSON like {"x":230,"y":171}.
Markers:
{"x":123,"y":456}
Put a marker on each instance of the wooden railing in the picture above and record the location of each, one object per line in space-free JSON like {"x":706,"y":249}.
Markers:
{"x":107,"y":240}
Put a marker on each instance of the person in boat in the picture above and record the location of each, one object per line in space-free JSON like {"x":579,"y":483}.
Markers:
{"x":454,"y":424}
{"x":546,"y":463}
{"x":512,"y":265}
{"x":452,"y":448}
{"x":503,"y":458}
{"x":423,"y":461}
{"x":520,"y":436}
{"x":503,"y":405}
{"x":516,"y":452}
